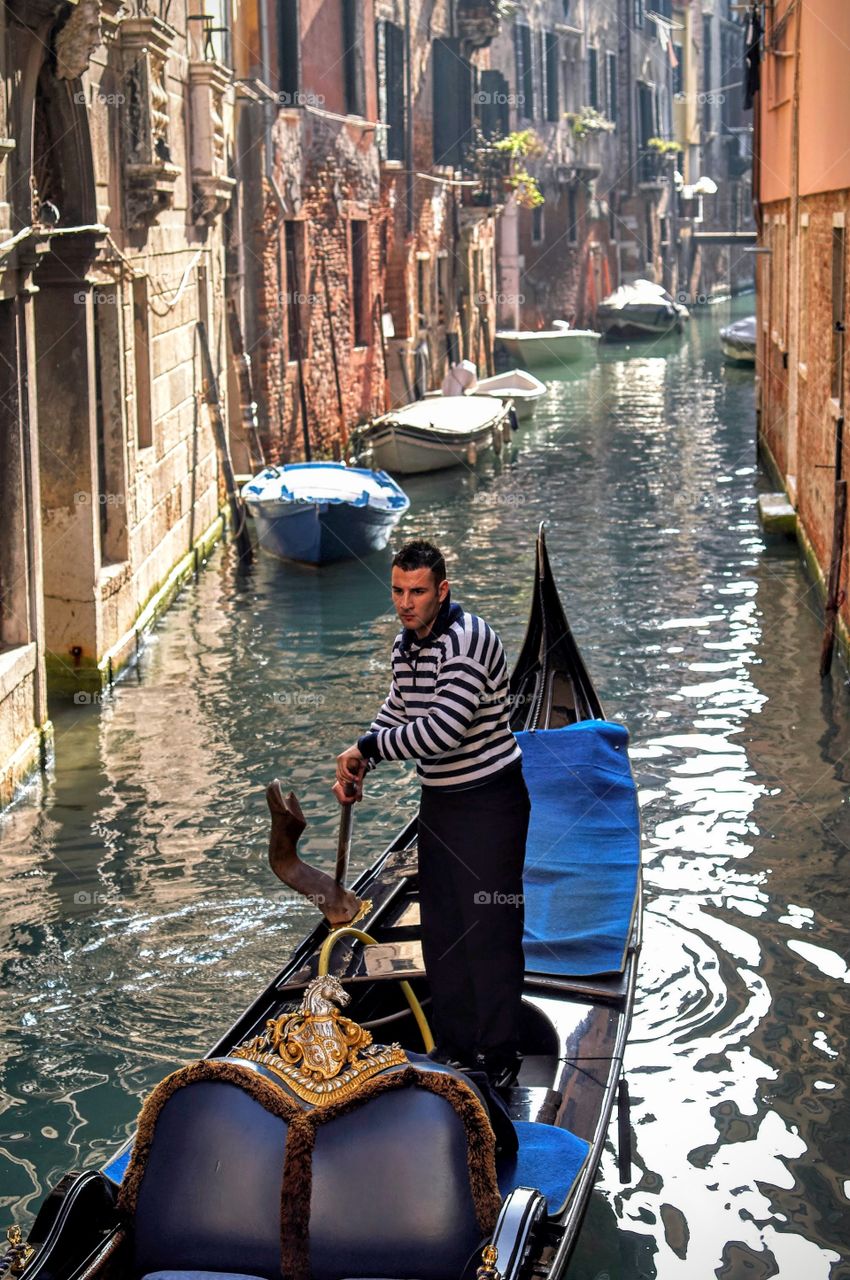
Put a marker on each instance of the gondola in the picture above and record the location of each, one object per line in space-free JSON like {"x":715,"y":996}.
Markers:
{"x":243,"y":1165}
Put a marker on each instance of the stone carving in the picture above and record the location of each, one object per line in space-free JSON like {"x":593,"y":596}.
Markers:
{"x":78,"y":39}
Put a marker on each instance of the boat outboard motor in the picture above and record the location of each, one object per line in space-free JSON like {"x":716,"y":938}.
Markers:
{"x":313,"y":1153}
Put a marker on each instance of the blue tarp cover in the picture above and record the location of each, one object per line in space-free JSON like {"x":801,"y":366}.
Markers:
{"x":583,"y":854}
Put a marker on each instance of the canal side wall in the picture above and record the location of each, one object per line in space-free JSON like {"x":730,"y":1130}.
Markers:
{"x":113,"y":201}
{"x":802,"y":183}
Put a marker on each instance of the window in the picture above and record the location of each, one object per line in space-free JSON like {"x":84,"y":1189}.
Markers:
{"x":678,"y":71}
{"x":142,"y":362}
{"x":638,"y":12}
{"x":611,"y":65}
{"x":391,"y":104}
{"x":524,"y":71}
{"x":537,"y":224}
{"x":294,"y":251}
{"x":540,"y":61}
{"x":289,"y":61}
{"x":492,"y":102}
{"x":423,"y":290}
{"x":572,"y":216}
{"x":359,"y":230}
{"x":552,"y":68}
{"x":837,"y":360}
{"x":352,"y":58}
{"x":593,"y":78}
{"x":452,"y":102}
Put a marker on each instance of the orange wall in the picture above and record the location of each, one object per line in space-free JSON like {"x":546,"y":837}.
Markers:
{"x":824,"y":42}
{"x":825,"y":96}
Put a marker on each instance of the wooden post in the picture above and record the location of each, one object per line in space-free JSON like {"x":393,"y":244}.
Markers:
{"x":834,"y":592}
{"x":237,"y":514}
{"x":242,"y":364}
{"x":484,"y":325}
{"x":342,"y":431}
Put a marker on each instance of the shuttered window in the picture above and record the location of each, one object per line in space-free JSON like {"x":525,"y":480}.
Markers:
{"x":524,"y":71}
{"x":552,"y":78}
{"x":611,"y":64}
{"x":593,"y":78}
{"x":352,"y":58}
{"x":452,"y":104}
{"x":390,"y":64}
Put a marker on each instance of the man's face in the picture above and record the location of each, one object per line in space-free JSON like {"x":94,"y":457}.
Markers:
{"x":417,"y":598}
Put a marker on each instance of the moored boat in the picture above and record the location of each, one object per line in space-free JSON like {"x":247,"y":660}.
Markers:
{"x":431,"y":434}
{"x":318,"y":512}
{"x":547,"y":348}
{"x":517,"y":385}
{"x":640,"y":310}
{"x":738,"y":341}
{"x":375,"y":1161}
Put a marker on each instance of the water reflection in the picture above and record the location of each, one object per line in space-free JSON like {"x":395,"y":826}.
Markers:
{"x":138,"y":914}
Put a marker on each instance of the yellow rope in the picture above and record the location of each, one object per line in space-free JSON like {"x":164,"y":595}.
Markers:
{"x":346,"y":931}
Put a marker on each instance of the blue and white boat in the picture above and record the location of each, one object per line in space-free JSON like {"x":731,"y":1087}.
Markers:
{"x":317,"y":512}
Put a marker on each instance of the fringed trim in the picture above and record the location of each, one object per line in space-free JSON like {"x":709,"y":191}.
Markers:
{"x":303,"y":1125}
{"x":298,"y":1172}
{"x":257,"y":1086}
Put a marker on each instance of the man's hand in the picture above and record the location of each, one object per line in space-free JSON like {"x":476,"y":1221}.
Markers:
{"x":350,"y":768}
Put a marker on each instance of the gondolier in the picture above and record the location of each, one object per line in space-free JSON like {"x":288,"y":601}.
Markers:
{"x":448,"y":709}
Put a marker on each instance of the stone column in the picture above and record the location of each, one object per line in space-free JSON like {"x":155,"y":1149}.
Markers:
{"x":65,"y":388}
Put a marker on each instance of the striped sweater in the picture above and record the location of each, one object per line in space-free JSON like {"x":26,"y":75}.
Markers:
{"x":448,"y":704}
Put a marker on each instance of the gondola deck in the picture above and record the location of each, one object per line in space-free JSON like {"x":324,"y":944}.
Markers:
{"x":575,"y":1024}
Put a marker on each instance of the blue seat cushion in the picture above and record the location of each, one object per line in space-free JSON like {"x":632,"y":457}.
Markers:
{"x":197,"y":1275}
{"x":549,"y":1159}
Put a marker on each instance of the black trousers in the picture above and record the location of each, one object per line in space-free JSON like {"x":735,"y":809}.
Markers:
{"x":471,"y":855}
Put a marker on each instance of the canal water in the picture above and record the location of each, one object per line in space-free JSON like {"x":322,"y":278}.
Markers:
{"x":138,"y":915}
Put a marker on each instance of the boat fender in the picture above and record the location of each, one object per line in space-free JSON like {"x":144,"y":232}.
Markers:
{"x":513,"y":419}
{"x":497,"y":439}
{"x":472,"y":453}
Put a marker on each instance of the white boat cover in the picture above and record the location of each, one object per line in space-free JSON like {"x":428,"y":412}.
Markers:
{"x":638,"y":293}
{"x":457,"y":415}
{"x":743,"y":331}
{"x":460,"y":378}
{"x":563,"y":330}
{"x":321,"y":482}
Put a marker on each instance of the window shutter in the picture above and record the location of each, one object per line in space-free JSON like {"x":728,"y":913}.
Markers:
{"x":452,"y":102}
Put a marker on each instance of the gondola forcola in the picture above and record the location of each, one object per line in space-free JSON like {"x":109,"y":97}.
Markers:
{"x":315,"y":1145}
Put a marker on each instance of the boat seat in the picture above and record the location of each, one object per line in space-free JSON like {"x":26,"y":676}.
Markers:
{"x":548,"y":1158}
{"x":390,"y":1181}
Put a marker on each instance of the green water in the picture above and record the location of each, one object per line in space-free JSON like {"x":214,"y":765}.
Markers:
{"x":138,"y":916}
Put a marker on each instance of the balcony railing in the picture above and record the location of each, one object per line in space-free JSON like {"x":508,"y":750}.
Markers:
{"x":655,"y":168}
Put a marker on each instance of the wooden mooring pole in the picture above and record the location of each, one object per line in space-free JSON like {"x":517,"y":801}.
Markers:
{"x":835,"y":593}
{"x":210,"y":391}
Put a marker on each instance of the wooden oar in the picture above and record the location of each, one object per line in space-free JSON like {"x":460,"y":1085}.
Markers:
{"x":337,"y":904}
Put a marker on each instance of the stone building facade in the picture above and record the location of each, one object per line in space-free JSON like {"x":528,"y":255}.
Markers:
{"x":559,"y":65}
{"x":802,"y":189}
{"x":114,"y":178}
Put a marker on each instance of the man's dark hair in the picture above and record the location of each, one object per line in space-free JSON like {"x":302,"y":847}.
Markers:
{"x":421,"y":555}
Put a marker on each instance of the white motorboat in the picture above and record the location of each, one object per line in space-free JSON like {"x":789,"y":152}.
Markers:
{"x":515,"y":384}
{"x":640,"y":310}
{"x":545,"y":348}
{"x":738,"y":341}
{"x":428,"y":435}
